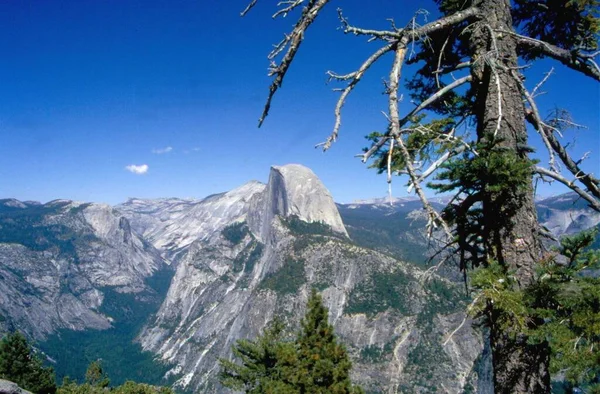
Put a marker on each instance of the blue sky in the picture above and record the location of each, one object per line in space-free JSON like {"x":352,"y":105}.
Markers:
{"x":90,"y":87}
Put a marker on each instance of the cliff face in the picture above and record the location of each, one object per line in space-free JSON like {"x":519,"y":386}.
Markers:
{"x":294,"y":190}
{"x":56,"y":259}
{"x":231,"y":282}
{"x":172,"y":225}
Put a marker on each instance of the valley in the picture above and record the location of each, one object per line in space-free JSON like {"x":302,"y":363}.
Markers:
{"x":163,"y":288}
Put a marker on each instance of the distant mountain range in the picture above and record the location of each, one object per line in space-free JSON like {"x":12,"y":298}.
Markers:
{"x":179,"y":280}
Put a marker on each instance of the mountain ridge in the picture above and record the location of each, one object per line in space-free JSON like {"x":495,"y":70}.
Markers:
{"x":241,"y":257}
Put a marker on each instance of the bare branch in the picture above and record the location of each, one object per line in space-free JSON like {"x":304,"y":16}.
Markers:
{"x":446,"y":70}
{"x":469,"y":310}
{"x":543,"y":81}
{"x":537,"y":119}
{"x":573,"y":59}
{"x":389,"y":169}
{"x":439,"y":63}
{"x":347,"y":28}
{"x":248,"y":8}
{"x":291,"y":5}
{"x":308,"y":17}
{"x":437,"y":164}
{"x":311,"y":10}
{"x":591,"y":183}
{"x":434,"y":216}
{"x":445,"y":22}
{"x":433,"y":98}
{"x":355,"y":76}
{"x":594,"y":203}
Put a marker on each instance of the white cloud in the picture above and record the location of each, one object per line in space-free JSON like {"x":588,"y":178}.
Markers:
{"x":191,"y":150}
{"x":161,"y":151}
{"x":139,"y":170}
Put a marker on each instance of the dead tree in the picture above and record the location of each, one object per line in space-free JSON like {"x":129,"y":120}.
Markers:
{"x":471,"y":61}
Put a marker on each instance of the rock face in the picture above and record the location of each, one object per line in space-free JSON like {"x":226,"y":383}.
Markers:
{"x":56,"y":259}
{"x":294,"y":190}
{"x":7,"y":387}
{"x":171,"y":225}
{"x":231,"y":282}
{"x":566,"y":214}
{"x":243,"y":257}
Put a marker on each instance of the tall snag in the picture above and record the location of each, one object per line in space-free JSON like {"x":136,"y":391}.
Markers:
{"x":470,"y":73}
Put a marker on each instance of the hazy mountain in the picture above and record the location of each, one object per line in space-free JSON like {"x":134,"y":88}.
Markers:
{"x":397,"y":228}
{"x":57,"y":259}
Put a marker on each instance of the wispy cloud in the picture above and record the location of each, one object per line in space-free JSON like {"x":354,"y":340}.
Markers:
{"x":138,"y":170}
{"x":191,"y":150}
{"x":161,"y":151}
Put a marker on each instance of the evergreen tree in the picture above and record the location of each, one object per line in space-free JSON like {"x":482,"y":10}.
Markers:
{"x":97,"y":382}
{"x":566,"y":296}
{"x":267,"y":363}
{"x":313,"y":363}
{"x":324,"y":366}
{"x":470,"y":73}
{"x":19,"y":365}
{"x":95,"y":375}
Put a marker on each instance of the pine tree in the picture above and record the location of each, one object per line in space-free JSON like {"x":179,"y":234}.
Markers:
{"x":313,"y":363}
{"x":19,"y":365}
{"x":470,"y":72}
{"x":324,"y":366}
{"x":566,"y":296}
{"x":267,"y":363}
{"x":95,"y":375}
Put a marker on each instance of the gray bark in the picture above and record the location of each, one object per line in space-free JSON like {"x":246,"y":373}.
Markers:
{"x":512,"y":238}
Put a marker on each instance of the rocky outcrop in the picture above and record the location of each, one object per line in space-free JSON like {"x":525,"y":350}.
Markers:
{"x":294,"y":190}
{"x":566,"y":214}
{"x":56,"y":259}
{"x":171,"y":225}
{"x":7,"y":387}
{"x":231,"y":282}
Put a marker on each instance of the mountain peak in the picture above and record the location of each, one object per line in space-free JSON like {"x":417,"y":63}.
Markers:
{"x":294,"y":190}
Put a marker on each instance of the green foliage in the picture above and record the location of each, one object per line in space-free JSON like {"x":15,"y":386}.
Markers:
{"x":497,"y":178}
{"x":566,"y":297}
{"x":313,"y":363}
{"x":381,"y":291}
{"x":497,"y":288}
{"x":266,"y":363}
{"x":122,"y":358}
{"x":299,"y":227}
{"x":288,"y":279}
{"x":95,"y":375}
{"x":561,"y":307}
{"x":97,"y":382}
{"x":235,"y":232}
{"x":375,"y":353}
{"x":426,"y":142}
{"x":570,"y":24}
{"x":248,"y":257}
{"x":20,"y":365}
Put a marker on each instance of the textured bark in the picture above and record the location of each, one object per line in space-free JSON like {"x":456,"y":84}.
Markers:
{"x":513,"y":238}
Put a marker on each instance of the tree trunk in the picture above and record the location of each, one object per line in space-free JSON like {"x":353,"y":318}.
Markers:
{"x":512,"y":236}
